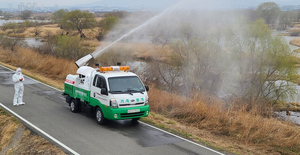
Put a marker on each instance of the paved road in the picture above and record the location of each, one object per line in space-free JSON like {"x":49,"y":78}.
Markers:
{"x":46,"y":108}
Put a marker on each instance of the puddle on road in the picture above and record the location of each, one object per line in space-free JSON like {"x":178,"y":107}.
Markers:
{"x":145,"y":135}
{"x":46,"y":93}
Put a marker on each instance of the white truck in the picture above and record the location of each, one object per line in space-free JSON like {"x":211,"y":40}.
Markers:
{"x":112,"y":93}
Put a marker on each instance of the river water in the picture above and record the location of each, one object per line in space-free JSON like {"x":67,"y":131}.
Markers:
{"x":20,"y":21}
{"x":10,"y":21}
{"x":33,"y":42}
{"x":294,"y":117}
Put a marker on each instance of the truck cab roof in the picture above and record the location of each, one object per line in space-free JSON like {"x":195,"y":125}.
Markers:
{"x":113,"y":71}
{"x":116,"y":74}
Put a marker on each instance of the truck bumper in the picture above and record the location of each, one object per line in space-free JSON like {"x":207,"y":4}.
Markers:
{"x":125,"y":113}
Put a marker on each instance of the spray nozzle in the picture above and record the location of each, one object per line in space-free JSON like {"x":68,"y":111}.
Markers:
{"x":83,"y":61}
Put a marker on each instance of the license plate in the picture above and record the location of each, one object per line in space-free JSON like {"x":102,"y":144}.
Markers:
{"x":133,"y":110}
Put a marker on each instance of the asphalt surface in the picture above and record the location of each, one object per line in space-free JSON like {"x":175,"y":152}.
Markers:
{"x":46,"y":108}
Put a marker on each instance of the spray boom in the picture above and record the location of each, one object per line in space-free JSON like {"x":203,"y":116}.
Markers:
{"x":83,"y":61}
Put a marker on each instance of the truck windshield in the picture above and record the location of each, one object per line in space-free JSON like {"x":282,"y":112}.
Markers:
{"x":128,"y":84}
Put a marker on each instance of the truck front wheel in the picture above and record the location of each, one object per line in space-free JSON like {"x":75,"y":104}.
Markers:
{"x":99,"y":116}
{"x":74,"y":106}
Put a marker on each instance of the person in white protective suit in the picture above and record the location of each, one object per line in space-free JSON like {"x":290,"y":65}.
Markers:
{"x":18,"y":79}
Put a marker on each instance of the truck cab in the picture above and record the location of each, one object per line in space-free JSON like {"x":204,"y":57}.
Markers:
{"x":112,"y":93}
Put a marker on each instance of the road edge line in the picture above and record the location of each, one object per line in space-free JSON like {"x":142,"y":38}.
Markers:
{"x":40,"y":130}
{"x":182,"y":138}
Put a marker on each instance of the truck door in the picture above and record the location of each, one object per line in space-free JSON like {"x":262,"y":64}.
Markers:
{"x":99,"y":83}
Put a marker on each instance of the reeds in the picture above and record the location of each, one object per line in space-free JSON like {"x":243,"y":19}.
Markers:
{"x":7,"y":129}
{"x":15,"y":139}
{"x":295,"y":42}
{"x":49,"y":66}
{"x":235,"y":122}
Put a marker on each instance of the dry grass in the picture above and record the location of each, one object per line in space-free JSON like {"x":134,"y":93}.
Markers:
{"x":14,"y":139}
{"x":7,"y":129}
{"x":143,"y":51}
{"x":33,"y":63}
{"x":51,"y":29}
{"x":45,"y":30}
{"x":295,"y":41}
{"x":150,"y":52}
{"x":296,"y":26}
{"x":247,"y":128}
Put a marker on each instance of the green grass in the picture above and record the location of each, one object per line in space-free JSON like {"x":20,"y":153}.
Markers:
{"x":2,"y":112}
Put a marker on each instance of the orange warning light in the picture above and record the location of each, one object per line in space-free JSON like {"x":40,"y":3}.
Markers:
{"x":114,"y":68}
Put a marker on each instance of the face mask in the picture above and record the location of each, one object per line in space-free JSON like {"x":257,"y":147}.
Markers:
{"x":18,"y":71}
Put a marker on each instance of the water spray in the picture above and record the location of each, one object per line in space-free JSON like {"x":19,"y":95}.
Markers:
{"x":84,"y":60}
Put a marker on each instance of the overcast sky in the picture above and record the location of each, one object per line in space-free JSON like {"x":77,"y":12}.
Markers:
{"x":241,"y":3}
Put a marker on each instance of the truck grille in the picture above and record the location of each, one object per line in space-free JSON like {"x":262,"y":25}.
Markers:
{"x":126,"y":115}
{"x":121,"y":105}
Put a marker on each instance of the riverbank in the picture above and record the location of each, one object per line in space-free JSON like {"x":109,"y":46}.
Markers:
{"x":200,"y":118}
{"x":295,"y":42}
{"x":295,"y":32}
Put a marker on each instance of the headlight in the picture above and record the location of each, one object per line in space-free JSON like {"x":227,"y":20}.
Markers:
{"x":147,"y":101}
{"x":113,"y":103}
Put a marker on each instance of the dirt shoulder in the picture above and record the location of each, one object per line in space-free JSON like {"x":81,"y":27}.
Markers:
{"x":16,"y":139}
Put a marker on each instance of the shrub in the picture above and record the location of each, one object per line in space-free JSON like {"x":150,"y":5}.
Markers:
{"x":295,"y":33}
{"x":69,"y":47}
{"x":10,"y":25}
{"x":10,"y":43}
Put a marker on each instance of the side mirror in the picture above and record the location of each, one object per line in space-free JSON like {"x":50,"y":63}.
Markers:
{"x":103,"y":91}
{"x":147,"y":87}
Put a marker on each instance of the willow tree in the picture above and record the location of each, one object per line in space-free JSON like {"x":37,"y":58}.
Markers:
{"x":78,"y":20}
{"x":263,"y":63}
{"x":58,"y":15}
{"x":269,"y":11}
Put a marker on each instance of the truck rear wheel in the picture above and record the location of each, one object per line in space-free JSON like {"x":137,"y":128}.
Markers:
{"x":75,"y":106}
{"x":99,"y":116}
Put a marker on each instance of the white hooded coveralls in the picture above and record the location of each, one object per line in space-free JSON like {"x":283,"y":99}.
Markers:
{"x":18,"y":79}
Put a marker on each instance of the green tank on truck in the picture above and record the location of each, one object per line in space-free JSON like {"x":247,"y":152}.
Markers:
{"x":112,"y":93}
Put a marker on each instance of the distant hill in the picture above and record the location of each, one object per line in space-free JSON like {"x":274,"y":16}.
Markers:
{"x":145,"y":4}
{"x":162,"y":4}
